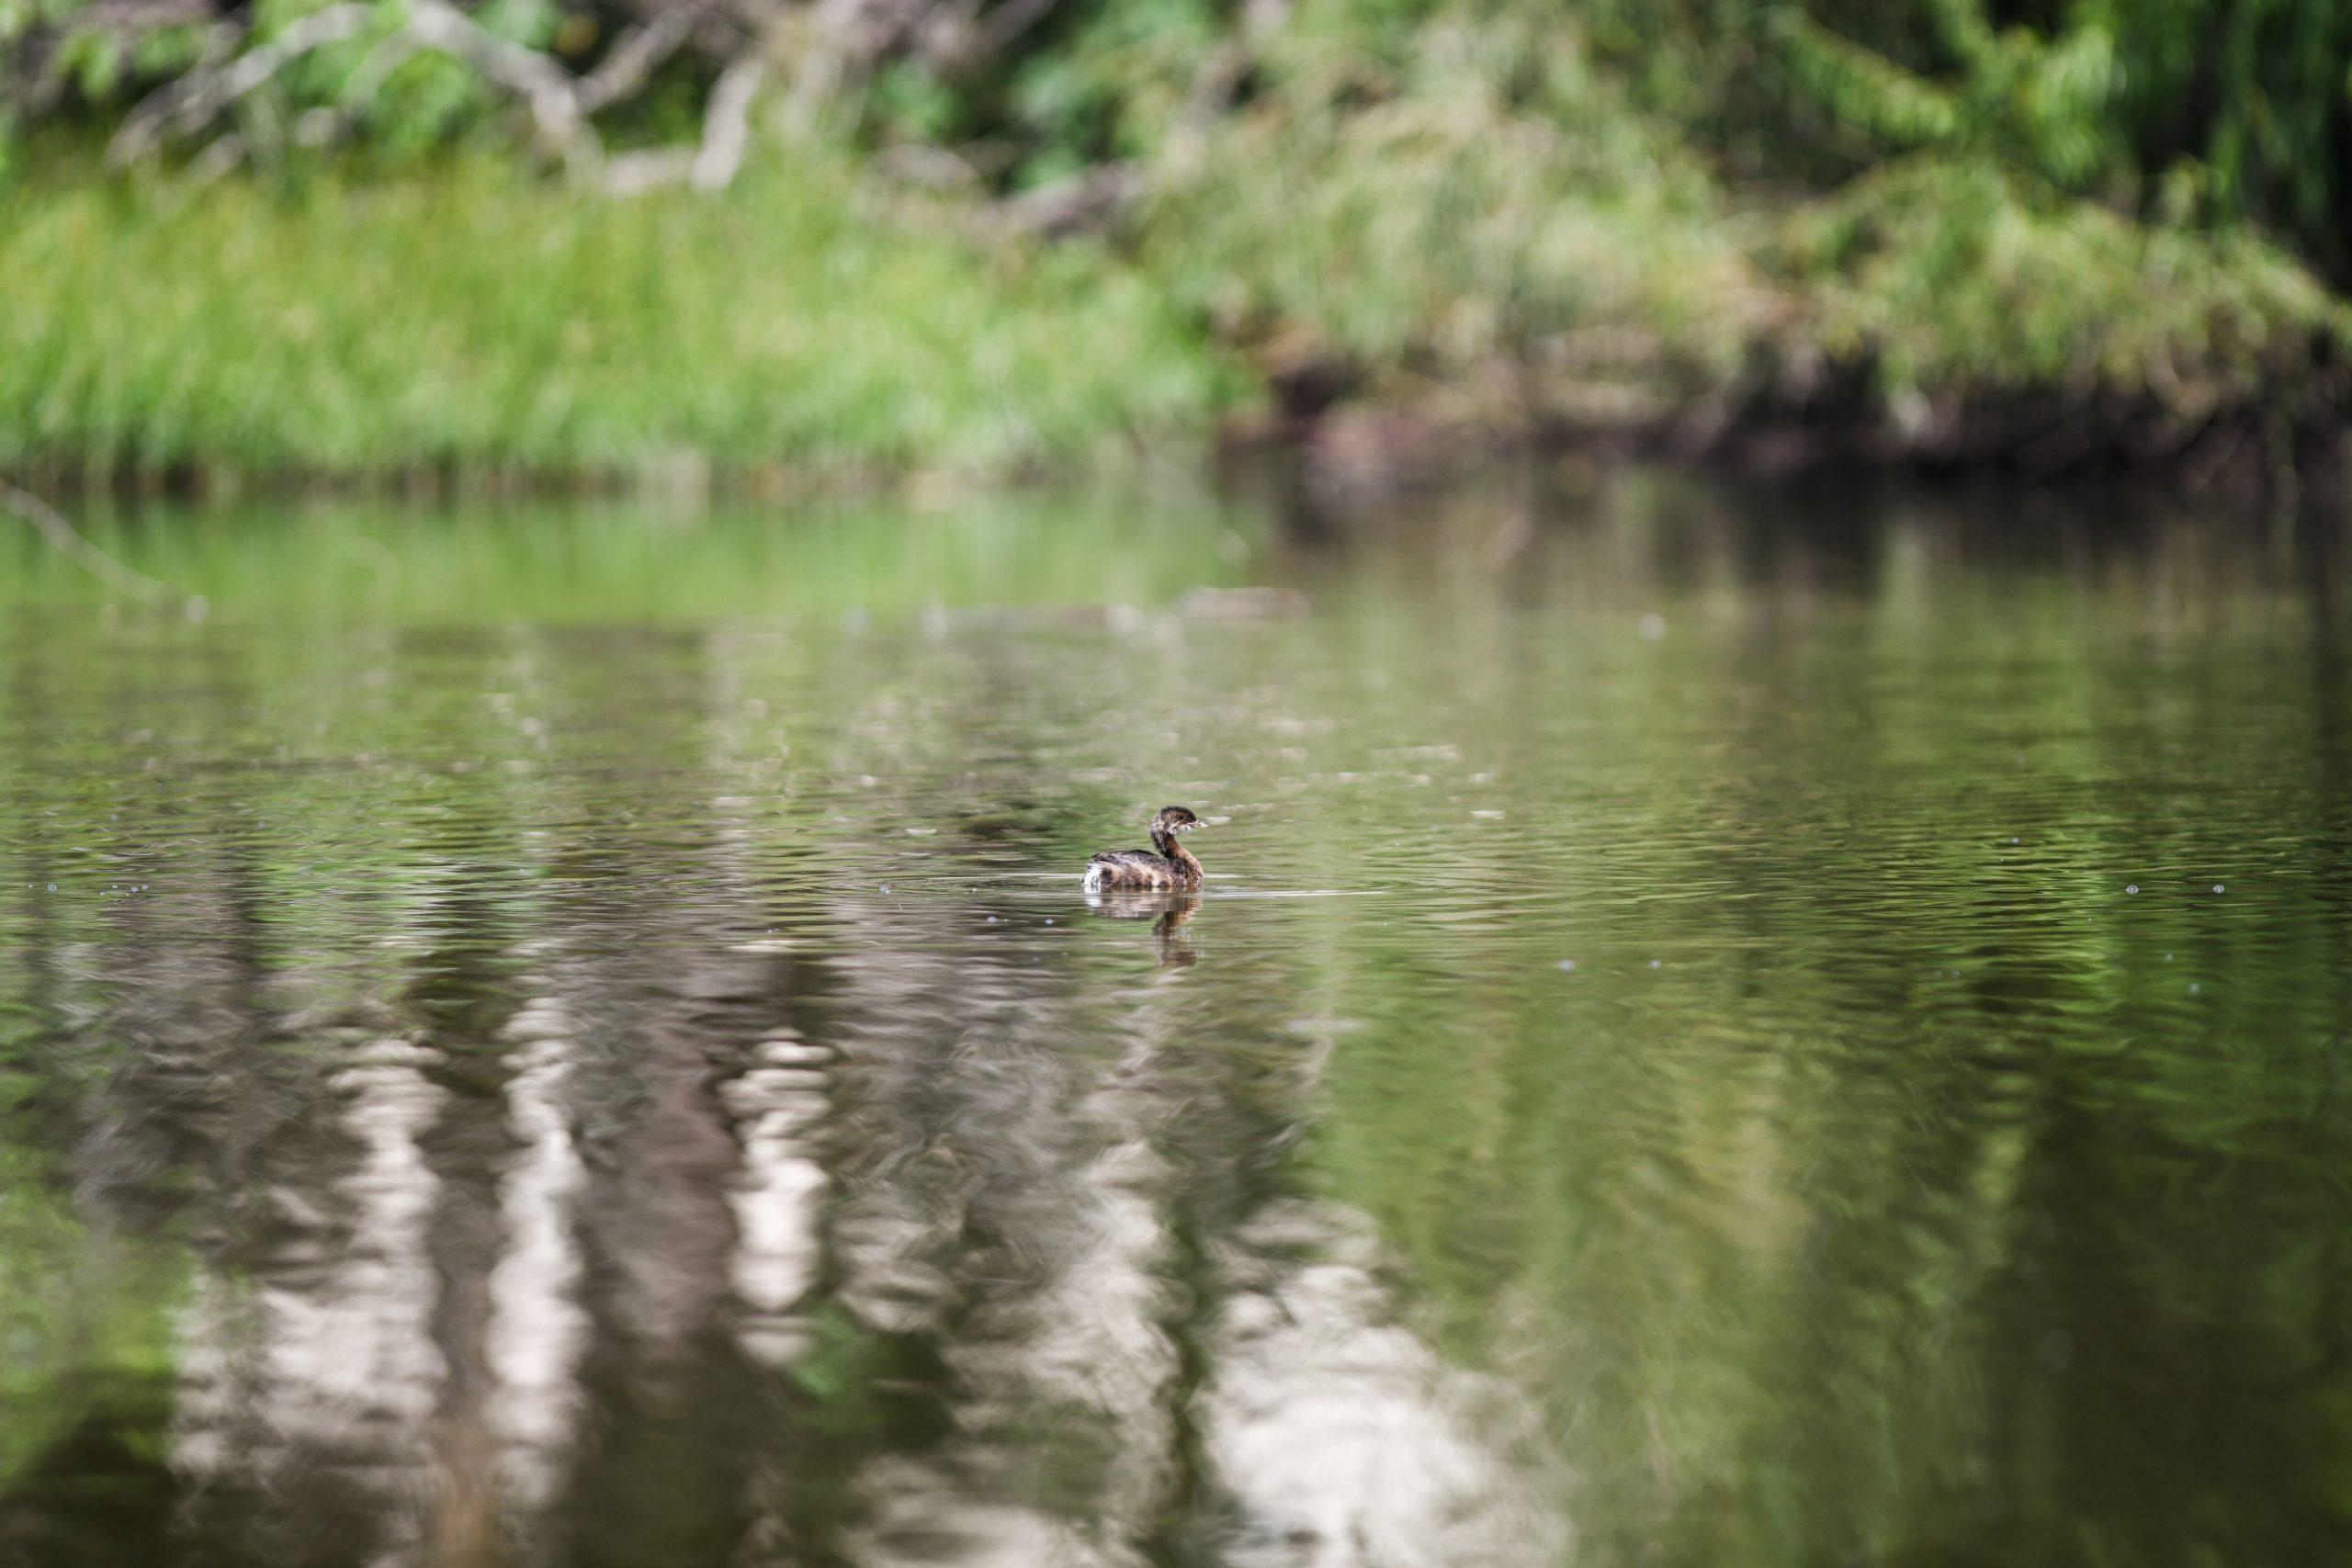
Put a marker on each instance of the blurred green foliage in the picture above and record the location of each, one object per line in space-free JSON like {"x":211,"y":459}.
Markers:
{"x":1491,"y":210}
{"x":476,"y":316}
{"x":1899,"y":216}
{"x":2225,"y":109}
{"x":2240,"y":110}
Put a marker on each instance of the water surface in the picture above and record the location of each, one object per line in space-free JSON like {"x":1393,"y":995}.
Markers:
{"x":1725,"y":1027}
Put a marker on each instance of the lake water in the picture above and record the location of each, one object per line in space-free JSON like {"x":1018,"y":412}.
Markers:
{"x":1726,"y":1025}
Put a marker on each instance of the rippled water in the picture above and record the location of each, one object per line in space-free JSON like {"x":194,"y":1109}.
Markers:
{"x":1723,"y":1028}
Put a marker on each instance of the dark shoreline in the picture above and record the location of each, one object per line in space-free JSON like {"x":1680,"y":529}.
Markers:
{"x":1365,"y":448}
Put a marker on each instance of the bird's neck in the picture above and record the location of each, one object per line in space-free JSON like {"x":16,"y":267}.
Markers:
{"x":1165,"y":843}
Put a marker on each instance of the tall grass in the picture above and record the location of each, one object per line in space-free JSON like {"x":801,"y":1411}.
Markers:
{"x":476,"y":316}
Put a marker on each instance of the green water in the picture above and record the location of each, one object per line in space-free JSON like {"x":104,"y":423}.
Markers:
{"x":1725,"y":1026}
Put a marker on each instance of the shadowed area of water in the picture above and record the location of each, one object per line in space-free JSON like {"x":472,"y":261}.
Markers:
{"x":1792,"y":1027}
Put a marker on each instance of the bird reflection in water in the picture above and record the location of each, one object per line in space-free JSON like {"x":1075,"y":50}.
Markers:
{"x":1169,"y":909}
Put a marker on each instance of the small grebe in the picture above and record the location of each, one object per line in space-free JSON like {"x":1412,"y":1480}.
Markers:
{"x":1173,"y":866}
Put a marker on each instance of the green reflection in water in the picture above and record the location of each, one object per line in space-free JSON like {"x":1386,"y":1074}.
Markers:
{"x":1668,"y":1049}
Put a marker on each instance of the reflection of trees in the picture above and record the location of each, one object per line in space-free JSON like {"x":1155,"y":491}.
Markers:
{"x":1916,"y":1208}
{"x":580,"y":1157}
{"x":1083,"y":1207}
{"x":554,"y":1193}
{"x":1341,"y":1438}
{"x":318,"y":1371}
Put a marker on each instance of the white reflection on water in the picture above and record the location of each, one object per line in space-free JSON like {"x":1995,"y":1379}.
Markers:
{"x":777,"y":1197}
{"x":1346,"y":1442}
{"x":538,"y":1328}
{"x":1072,"y":1351}
{"x":997,"y":1201}
{"x":331,"y":1366}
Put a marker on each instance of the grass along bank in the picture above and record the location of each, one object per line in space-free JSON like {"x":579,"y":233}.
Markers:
{"x":474,"y":316}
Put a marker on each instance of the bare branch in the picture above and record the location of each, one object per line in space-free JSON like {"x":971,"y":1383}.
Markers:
{"x":841,"y":42}
{"x":538,"y":81}
{"x":633,"y":174}
{"x":726,"y":123}
{"x":637,"y":56}
{"x":218,"y":160}
{"x":958,"y":36}
{"x":726,"y":138}
{"x":249,"y":71}
{"x":1084,"y":203}
{"x":933,"y":168}
{"x":559,"y":105}
{"x":206,"y":90}
{"x":144,"y":125}
{"x":325,"y":126}
{"x":137,"y":16}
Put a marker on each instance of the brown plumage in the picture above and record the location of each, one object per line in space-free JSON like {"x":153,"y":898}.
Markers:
{"x":1172,"y":866}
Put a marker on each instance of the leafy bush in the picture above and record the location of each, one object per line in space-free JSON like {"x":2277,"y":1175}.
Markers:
{"x":1414,"y":213}
{"x":2246,"y":105}
{"x":1958,"y":275}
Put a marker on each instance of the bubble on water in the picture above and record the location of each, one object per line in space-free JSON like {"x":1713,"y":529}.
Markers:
{"x":2015,"y":840}
{"x":992,"y":919}
{"x":886,"y":887}
{"x":2194,"y":988}
{"x":2218,"y":888}
{"x":1657,"y":964}
{"x":1049,"y":919}
{"x":1568,"y":963}
{"x":53,"y":887}
{"x":2168,"y":957}
{"x":2131,"y":887}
